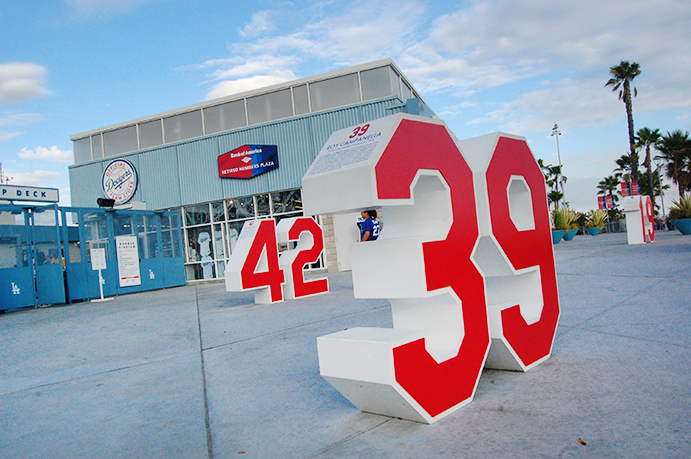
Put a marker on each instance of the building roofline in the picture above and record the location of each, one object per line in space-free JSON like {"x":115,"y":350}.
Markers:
{"x":251,"y":93}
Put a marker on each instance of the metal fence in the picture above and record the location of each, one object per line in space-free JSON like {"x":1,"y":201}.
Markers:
{"x":45,"y":253}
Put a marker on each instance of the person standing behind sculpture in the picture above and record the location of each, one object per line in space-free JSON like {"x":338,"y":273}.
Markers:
{"x":369,"y":227}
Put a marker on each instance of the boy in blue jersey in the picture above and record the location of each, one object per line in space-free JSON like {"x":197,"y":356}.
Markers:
{"x":369,"y":228}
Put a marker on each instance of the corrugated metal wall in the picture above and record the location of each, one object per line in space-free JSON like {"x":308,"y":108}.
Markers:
{"x":187,"y":173}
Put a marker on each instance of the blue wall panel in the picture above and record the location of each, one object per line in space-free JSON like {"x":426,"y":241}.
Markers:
{"x":160,"y":178}
{"x":324,"y":124}
{"x":187,"y":172}
{"x":198,"y":170}
{"x":85,"y":184}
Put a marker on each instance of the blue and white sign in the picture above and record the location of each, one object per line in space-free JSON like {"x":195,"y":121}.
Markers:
{"x":119,"y":181}
{"x":29,"y":193}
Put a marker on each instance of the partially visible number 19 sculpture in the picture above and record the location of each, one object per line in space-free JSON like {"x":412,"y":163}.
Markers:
{"x":465,"y":257}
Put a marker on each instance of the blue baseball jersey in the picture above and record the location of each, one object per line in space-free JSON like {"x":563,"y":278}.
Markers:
{"x":372,"y":226}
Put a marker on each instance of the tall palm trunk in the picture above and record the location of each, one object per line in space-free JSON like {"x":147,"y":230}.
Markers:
{"x":649,"y":173}
{"x":632,"y":142}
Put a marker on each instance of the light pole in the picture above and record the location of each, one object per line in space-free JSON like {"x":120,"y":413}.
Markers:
{"x":658,"y":162}
{"x":556,"y":133}
{"x":4,"y":179}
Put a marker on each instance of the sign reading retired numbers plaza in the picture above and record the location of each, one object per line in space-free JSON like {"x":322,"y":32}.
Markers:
{"x":248,"y":161}
{"x":29,"y":193}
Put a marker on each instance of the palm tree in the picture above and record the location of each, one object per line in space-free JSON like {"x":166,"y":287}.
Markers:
{"x":622,"y":76}
{"x":623,"y":170}
{"x":648,"y":138}
{"x":553,"y":197}
{"x":608,"y":186}
{"x":675,"y":149}
{"x":552,"y":179}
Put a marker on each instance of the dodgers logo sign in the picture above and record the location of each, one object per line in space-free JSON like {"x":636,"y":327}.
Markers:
{"x":248,"y":161}
{"x":119,"y":181}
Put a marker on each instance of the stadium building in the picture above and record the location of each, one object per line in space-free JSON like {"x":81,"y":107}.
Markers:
{"x":240,"y":157}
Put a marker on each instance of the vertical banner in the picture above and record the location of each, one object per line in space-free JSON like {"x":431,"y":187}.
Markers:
{"x":128,"y":261}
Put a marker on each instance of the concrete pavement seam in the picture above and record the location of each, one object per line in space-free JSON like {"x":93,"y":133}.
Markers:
{"x":207,"y":421}
{"x":619,"y":304}
{"x":292,"y":328}
{"x":637,"y":338}
{"x":89,"y":375}
{"x":346,"y":440}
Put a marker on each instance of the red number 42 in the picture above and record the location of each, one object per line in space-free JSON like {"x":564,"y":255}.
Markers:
{"x":255,"y":263}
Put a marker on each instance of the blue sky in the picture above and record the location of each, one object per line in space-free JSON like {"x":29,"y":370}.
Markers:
{"x":483,"y":66}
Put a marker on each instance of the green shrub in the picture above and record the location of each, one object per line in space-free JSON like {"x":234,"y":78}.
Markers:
{"x":681,"y":209}
{"x":596,"y":218}
{"x":561,"y":218}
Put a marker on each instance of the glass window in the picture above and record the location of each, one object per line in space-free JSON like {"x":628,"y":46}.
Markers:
{"x":14,"y":250}
{"x":200,"y":252}
{"x":96,"y":233}
{"x":183,"y":126}
{"x":197,"y":215}
{"x":407,"y":92}
{"x":167,"y":243}
{"x":263,"y":207}
{"x":286,"y":201}
{"x":241,"y":208}
{"x":120,"y":141}
{"x":82,"y":150}
{"x":395,"y":87}
{"x":233,"y":232}
{"x":219,"y":213}
{"x":97,"y":146}
{"x":272,"y":106}
{"x":302,"y":105}
{"x":169,"y":229}
{"x":151,"y":134}
{"x":225,"y":117}
{"x":209,"y":239}
{"x":375,"y":83}
{"x":219,"y":249}
{"x":147,"y":236}
{"x":335,"y":92}
{"x":122,"y":225}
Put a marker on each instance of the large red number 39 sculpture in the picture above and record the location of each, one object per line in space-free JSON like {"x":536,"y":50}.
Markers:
{"x":465,"y":258}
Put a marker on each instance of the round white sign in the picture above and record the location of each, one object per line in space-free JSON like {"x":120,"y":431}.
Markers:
{"x":119,"y":181}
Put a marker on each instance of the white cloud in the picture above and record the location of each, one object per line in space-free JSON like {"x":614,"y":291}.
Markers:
{"x":65,"y":199}
{"x":504,"y":42}
{"x":226,"y":88}
{"x":35,"y":178}
{"x":10,"y":122}
{"x":257,"y":65}
{"x":52,"y":154}
{"x":358,"y":32}
{"x":105,"y":7}
{"x":8,"y":135}
{"x":22,"y":81}
{"x":261,"y":24}
{"x":573,"y":103}
{"x":518,"y":63}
